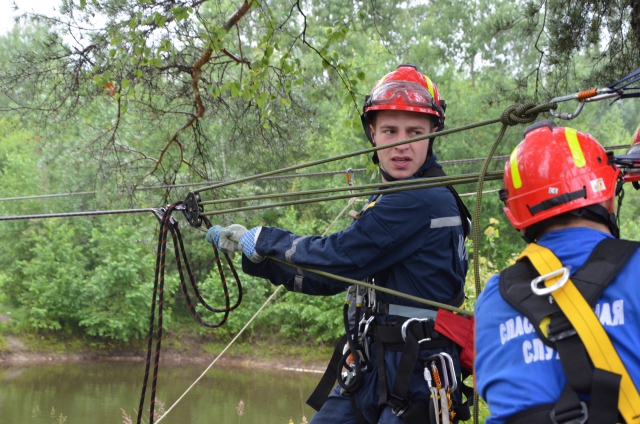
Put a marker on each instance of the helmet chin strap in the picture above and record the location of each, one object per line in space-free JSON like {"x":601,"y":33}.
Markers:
{"x":597,"y":213}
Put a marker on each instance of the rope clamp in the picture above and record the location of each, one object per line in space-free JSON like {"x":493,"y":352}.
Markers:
{"x":160,"y":213}
{"x":192,"y":209}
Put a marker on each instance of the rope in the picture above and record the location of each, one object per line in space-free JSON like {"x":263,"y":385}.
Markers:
{"x":170,"y":224}
{"x":496,"y":175}
{"x":279,"y":177}
{"x":349,"y":204}
{"x":75,"y":214}
{"x":348,"y":155}
{"x":387,"y":186}
{"x":512,"y":115}
{"x":223,"y":352}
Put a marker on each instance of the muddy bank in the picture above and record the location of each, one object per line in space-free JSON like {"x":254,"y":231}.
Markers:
{"x":18,"y":354}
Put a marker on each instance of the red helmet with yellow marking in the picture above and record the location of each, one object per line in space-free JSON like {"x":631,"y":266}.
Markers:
{"x":405,"y":89}
{"x":555,"y":170}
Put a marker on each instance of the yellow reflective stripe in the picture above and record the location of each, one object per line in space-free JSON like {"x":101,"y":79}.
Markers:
{"x":574,"y":146}
{"x":380,"y":81}
{"x":430,"y":86}
{"x":515,"y":172}
{"x":370,"y":205}
{"x":601,"y":351}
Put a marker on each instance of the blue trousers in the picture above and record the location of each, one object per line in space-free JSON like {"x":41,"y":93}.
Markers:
{"x":338,"y":410}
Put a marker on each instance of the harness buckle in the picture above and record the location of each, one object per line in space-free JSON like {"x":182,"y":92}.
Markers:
{"x":398,"y":406}
{"x":582,"y":419}
{"x":409,"y":321}
{"x":543,"y":290}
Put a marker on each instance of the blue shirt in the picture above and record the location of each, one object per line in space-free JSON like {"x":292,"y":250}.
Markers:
{"x":514,"y":369}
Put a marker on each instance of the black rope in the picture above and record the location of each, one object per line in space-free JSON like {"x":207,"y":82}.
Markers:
{"x":169,"y":224}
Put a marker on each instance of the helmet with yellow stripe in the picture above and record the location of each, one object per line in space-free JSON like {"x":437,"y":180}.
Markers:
{"x":556,"y":170}
{"x":404,"y":89}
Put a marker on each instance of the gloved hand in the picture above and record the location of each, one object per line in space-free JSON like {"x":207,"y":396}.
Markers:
{"x":219,"y":236}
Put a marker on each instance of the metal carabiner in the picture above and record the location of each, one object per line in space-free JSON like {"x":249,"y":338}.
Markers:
{"x":443,"y":366}
{"x":407,"y":322}
{"x":542,"y":291}
{"x":452,"y":373}
{"x":592,"y":95}
{"x":365,"y":342}
{"x":567,"y":116}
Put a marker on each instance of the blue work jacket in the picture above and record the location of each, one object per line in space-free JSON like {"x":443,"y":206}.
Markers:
{"x":410,"y":241}
{"x":514,"y":369}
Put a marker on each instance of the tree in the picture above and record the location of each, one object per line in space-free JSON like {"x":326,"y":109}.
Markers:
{"x":579,"y":44}
{"x":209,"y":80}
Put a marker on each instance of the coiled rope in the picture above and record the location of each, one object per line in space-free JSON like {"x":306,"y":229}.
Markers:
{"x":169,"y":224}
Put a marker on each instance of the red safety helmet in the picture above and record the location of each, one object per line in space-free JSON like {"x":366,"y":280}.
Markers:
{"x":404,"y":89}
{"x":632,"y":175}
{"x":555,"y":170}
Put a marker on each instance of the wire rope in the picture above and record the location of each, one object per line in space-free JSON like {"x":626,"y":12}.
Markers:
{"x":278,"y":177}
{"x":492,"y":176}
{"x":388,"y":187}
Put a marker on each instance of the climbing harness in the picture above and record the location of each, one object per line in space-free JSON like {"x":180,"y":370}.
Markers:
{"x":569,"y":324}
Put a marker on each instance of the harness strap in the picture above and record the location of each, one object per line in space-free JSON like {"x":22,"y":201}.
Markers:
{"x":328,"y":380}
{"x":587,"y":325}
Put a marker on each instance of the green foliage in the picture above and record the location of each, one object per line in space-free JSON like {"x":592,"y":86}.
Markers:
{"x":56,"y":256}
{"x":116,"y":291}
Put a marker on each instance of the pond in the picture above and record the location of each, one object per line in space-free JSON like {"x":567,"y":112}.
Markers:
{"x":73,"y":393}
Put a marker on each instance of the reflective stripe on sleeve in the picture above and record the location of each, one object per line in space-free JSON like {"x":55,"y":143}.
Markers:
{"x":447,"y":221}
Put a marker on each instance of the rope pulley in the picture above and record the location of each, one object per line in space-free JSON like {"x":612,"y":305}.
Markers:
{"x":192,"y":209}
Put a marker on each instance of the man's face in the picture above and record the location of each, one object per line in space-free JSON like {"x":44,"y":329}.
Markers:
{"x":392,"y":126}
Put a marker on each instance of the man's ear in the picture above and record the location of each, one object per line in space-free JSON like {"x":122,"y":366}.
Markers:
{"x":372,"y":131}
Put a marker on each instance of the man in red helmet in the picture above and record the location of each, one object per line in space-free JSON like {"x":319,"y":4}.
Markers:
{"x":409,"y":241}
{"x":557,"y":333}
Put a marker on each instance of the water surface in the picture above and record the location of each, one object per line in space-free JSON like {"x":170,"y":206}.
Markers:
{"x":96,"y":392}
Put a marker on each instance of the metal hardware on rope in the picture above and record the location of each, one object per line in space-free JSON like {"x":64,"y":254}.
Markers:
{"x":192,"y":209}
{"x":618,"y":90}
